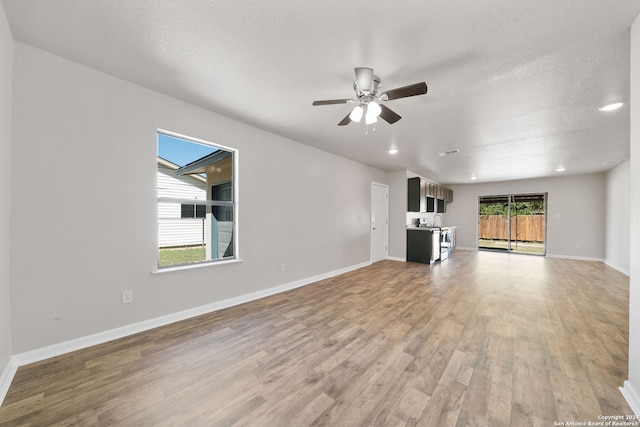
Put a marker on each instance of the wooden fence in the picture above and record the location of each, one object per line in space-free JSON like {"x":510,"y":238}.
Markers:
{"x":527,"y":228}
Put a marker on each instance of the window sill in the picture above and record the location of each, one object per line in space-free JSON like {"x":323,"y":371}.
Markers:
{"x":194,"y":266}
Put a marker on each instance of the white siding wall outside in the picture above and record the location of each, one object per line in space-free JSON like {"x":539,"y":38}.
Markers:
{"x":173,"y":230}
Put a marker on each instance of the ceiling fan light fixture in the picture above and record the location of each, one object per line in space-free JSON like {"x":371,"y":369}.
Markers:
{"x":356,"y":114}
{"x":374,"y":109}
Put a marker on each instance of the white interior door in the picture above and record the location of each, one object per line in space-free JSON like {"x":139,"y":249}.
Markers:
{"x":379,"y":221}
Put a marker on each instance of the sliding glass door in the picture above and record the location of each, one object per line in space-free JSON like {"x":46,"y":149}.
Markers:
{"x":512,"y":223}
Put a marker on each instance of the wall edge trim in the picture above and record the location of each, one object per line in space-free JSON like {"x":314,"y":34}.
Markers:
{"x":6,"y":377}
{"x":631,"y":396}
{"x":622,"y":270}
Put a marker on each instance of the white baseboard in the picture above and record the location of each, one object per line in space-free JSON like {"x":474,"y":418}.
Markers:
{"x":632,"y":397}
{"x":43,"y":353}
{"x":395,"y":258}
{"x":622,"y":270}
{"x":6,"y":377}
{"x":578,"y":258}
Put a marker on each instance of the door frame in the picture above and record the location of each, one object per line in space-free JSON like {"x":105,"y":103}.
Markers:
{"x":385,"y":226}
{"x":510,"y":197}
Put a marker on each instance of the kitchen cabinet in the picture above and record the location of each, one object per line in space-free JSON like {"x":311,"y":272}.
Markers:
{"x":426,"y":196}
{"x":431,"y":204}
{"x":448,"y":195}
{"x":423,"y":245}
{"x":416,"y":198}
{"x":431,"y":189}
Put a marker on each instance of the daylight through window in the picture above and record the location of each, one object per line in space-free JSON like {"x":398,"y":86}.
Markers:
{"x":196,"y":201}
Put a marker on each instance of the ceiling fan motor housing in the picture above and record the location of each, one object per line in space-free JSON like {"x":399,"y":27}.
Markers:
{"x":366,"y":83}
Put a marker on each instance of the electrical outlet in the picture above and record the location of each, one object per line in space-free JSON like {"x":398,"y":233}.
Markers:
{"x":577,"y":246}
{"x":127,"y":297}
{"x":281,"y":267}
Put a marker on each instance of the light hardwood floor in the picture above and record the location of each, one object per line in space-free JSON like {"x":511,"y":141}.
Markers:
{"x":480,"y":339}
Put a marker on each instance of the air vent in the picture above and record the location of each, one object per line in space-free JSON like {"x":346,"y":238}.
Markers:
{"x":446,"y":153}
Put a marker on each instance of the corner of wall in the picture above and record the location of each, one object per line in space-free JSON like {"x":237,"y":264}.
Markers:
{"x":617,"y":218}
{"x":634,"y":199}
{"x":397,"y":214}
{"x":6,"y":108}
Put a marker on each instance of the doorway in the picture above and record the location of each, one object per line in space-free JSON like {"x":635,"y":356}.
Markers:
{"x":379,"y":221}
{"x":513,"y":223}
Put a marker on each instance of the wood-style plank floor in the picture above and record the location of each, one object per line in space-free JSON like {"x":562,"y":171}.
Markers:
{"x":482,"y":339}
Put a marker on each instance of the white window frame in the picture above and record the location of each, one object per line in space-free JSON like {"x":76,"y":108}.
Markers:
{"x":234,"y":203}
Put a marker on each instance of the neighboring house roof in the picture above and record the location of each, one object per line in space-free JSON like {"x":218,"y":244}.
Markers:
{"x":168,"y":164}
{"x":201,"y":165}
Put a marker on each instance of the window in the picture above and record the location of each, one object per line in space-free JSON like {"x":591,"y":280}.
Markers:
{"x":193,"y":211}
{"x":196,"y":201}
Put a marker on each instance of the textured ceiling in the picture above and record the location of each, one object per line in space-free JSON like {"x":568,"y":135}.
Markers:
{"x":514,"y":85}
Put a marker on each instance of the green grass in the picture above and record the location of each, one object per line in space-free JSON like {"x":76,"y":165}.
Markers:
{"x":180,"y":256}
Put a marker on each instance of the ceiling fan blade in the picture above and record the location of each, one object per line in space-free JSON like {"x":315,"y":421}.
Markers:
{"x":345,"y":121}
{"x":332,"y":101}
{"x":406,"y":91}
{"x":388,"y":115}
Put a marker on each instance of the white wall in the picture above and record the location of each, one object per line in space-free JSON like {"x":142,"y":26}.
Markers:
{"x":633,"y":385}
{"x":84,"y":155}
{"x":575,"y":212}
{"x":397,"y":215}
{"x":617,"y":217}
{"x":6,"y":79}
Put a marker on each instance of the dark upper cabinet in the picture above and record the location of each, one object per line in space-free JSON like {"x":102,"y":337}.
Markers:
{"x":416,"y":201}
{"x":425,"y":196}
{"x":431,"y":204}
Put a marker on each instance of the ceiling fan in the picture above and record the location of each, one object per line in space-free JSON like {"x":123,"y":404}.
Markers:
{"x":368,"y":101}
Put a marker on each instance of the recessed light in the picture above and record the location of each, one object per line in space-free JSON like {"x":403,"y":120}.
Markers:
{"x":611,"y":107}
{"x":393,"y":151}
{"x":560,"y":169}
{"x":473,"y":178}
